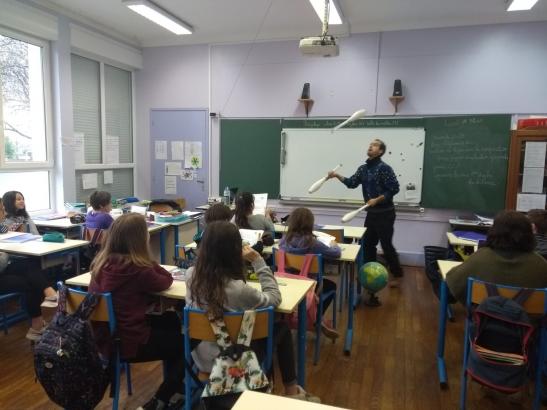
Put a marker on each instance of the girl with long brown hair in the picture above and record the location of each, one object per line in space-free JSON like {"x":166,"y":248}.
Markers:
{"x":217,"y":284}
{"x":125,"y":268}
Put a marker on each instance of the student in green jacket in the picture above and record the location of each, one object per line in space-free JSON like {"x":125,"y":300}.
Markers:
{"x":508,"y":258}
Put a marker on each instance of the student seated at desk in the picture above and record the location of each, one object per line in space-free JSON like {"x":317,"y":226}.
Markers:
{"x":507,"y":258}
{"x":125,"y":268}
{"x":538,"y":217}
{"x":244,"y":218}
{"x":99,"y":217}
{"x":300,"y":239}
{"x":16,"y":215}
{"x":217,"y":283}
{"x":24,"y":275}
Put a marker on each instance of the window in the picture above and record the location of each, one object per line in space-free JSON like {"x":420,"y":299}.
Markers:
{"x":103,"y":125}
{"x":25,"y":126}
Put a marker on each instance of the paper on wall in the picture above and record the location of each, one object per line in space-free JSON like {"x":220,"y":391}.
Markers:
{"x":525,"y":202}
{"x":534,"y":154}
{"x":112,"y":150}
{"x":108,"y":177}
{"x":78,"y":145}
{"x":261,"y":201}
{"x":177,"y":150}
{"x":89,"y":181}
{"x":532,"y":180}
{"x":192,"y":154}
{"x":160,"y":148}
{"x":170,"y":185}
{"x":173,"y":168}
{"x":187,"y":175}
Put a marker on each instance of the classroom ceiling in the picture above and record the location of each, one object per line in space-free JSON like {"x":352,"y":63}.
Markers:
{"x":222,"y":21}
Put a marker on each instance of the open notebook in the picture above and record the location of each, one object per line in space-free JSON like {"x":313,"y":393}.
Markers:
{"x":324,"y":238}
{"x":251,"y":236}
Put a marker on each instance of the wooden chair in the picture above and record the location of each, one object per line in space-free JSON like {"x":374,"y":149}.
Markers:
{"x":198,"y":328}
{"x":535,"y":305}
{"x":103,"y":312}
{"x":94,"y":236}
{"x":294,"y":261}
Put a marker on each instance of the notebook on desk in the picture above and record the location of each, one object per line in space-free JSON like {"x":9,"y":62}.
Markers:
{"x":470,"y":236}
{"x":20,"y":238}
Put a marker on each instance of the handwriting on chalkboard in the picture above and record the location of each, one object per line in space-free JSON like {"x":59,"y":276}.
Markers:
{"x":460,"y":159}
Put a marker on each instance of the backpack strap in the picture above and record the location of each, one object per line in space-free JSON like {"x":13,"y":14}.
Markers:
{"x":305,"y":271}
{"x":522,"y":296}
{"x":280,"y":260}
{"x":86,"y":307}
{"x":246,"y":329}
{"x":61,"y":301}
{"x":220,"y":330}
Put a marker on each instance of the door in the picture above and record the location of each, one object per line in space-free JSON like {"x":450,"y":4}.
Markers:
{"x":174,"y":125}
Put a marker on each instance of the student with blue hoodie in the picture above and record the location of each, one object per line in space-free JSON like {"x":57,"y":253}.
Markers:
{"x":300,"y":239}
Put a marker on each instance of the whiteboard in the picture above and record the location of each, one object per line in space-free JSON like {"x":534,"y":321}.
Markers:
{"x":308,"y":154}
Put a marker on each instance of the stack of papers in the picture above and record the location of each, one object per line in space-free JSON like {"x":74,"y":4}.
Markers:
{"x":324,"y":238}
{"x":250,"y":236}
{"x":510,"y":358}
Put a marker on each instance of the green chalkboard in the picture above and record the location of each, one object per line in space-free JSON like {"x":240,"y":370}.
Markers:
{"x":465,"y":157}
{"x":465,"y":162}
{"x":249,"y":155}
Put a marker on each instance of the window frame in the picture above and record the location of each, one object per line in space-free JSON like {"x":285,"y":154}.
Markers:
{"x":48,"y":164}
{"x":102,"y":115}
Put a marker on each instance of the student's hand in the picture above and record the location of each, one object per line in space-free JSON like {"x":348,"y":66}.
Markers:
{"x":270,"y":214}
{"x":333,"y":243}
{"x":249,"y":254}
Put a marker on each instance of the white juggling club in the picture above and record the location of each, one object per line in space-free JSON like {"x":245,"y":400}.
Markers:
{"x":319,"y":183}
{"x":350,"y":215}
{"x":355,"y":116}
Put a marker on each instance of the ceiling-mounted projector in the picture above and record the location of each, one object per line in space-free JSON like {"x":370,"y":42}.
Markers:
{"x":319,"y":46}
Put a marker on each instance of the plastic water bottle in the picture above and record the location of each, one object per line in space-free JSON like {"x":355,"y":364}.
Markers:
{"x":227,"y":196}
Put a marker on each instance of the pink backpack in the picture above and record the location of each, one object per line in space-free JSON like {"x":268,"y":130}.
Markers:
{"x":312,"y":299}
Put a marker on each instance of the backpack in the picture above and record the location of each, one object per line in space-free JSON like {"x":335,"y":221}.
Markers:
{"x":236,"y":368}
{"x":501,"y":341}
{"x":312,"y":300}
{"x":66,"y":360}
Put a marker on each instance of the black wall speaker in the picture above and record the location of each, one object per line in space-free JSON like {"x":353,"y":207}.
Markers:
{"x":306,"y":91}
{"x":397,"y":88}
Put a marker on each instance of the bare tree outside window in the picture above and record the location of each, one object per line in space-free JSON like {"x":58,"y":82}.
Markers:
{"x":22,"y":110}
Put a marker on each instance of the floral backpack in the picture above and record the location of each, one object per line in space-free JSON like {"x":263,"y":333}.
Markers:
{"x":236,"y":368}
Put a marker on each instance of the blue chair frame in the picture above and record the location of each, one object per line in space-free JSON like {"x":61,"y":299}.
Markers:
{"x":20,"y":315}
{"x":322,"y":297}
{"x":118,"y":363}
{"x":189,"y":377}
{"x":536,"y":304}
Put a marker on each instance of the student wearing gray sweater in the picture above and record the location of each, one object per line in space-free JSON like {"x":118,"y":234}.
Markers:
{"x":217,"y":283}
{"x":244,"y":218}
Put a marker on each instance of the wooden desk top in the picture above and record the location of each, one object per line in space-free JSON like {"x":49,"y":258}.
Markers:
{"x":251,"y":400}
{"x":292,"y":290}
{"x":63,"y":223}
{"x":350,"y":232}
{"x":445,"y":266}
{"x":350,"y":251}
{"x":455,"y":241}
{"x":39,"y":248}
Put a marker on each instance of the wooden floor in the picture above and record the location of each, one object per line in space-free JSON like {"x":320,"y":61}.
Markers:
{"x":392,"y":364}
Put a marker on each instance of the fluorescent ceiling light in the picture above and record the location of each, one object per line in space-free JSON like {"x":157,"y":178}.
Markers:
{"x":517,"y":5}
{"x":159,"y":16}
{"x":334,"y":16}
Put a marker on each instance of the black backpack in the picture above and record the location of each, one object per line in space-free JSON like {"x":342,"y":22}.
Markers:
{"x":501,"y":341}
{"x":66,"y":359}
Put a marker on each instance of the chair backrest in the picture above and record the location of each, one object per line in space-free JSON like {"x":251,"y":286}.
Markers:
{"x":536,"y":304}
{"x":103,"y":312}
{"x":197,"y":326}
{"x":94,"y":235}
{"x":295,"y":261}
{"x":337,"y":233}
